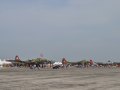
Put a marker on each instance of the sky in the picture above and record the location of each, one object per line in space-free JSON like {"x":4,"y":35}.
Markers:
{"x":73,"y":29}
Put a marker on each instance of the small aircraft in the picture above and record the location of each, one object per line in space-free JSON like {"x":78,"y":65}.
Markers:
{"x":57,"y":65}
{"x":4,"y":62}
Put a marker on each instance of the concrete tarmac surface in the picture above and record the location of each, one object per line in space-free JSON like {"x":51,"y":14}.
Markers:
{"x":60,"y":79}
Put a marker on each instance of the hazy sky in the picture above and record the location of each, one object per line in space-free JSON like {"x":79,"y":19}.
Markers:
{"x":74,"y":29}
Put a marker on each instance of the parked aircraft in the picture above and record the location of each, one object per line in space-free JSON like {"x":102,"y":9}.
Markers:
{"x":4,"y":63}
{"x":57,"y":65}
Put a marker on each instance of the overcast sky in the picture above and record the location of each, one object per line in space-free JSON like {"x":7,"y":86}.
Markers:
{"x":74,"y":29}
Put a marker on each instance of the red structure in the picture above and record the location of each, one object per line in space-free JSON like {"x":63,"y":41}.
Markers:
{"x":64,"y":62}
{"x":91,"y":62}
{"x":17,"y":58}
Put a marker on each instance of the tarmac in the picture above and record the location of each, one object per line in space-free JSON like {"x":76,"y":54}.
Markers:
{"x":60,"y":79}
